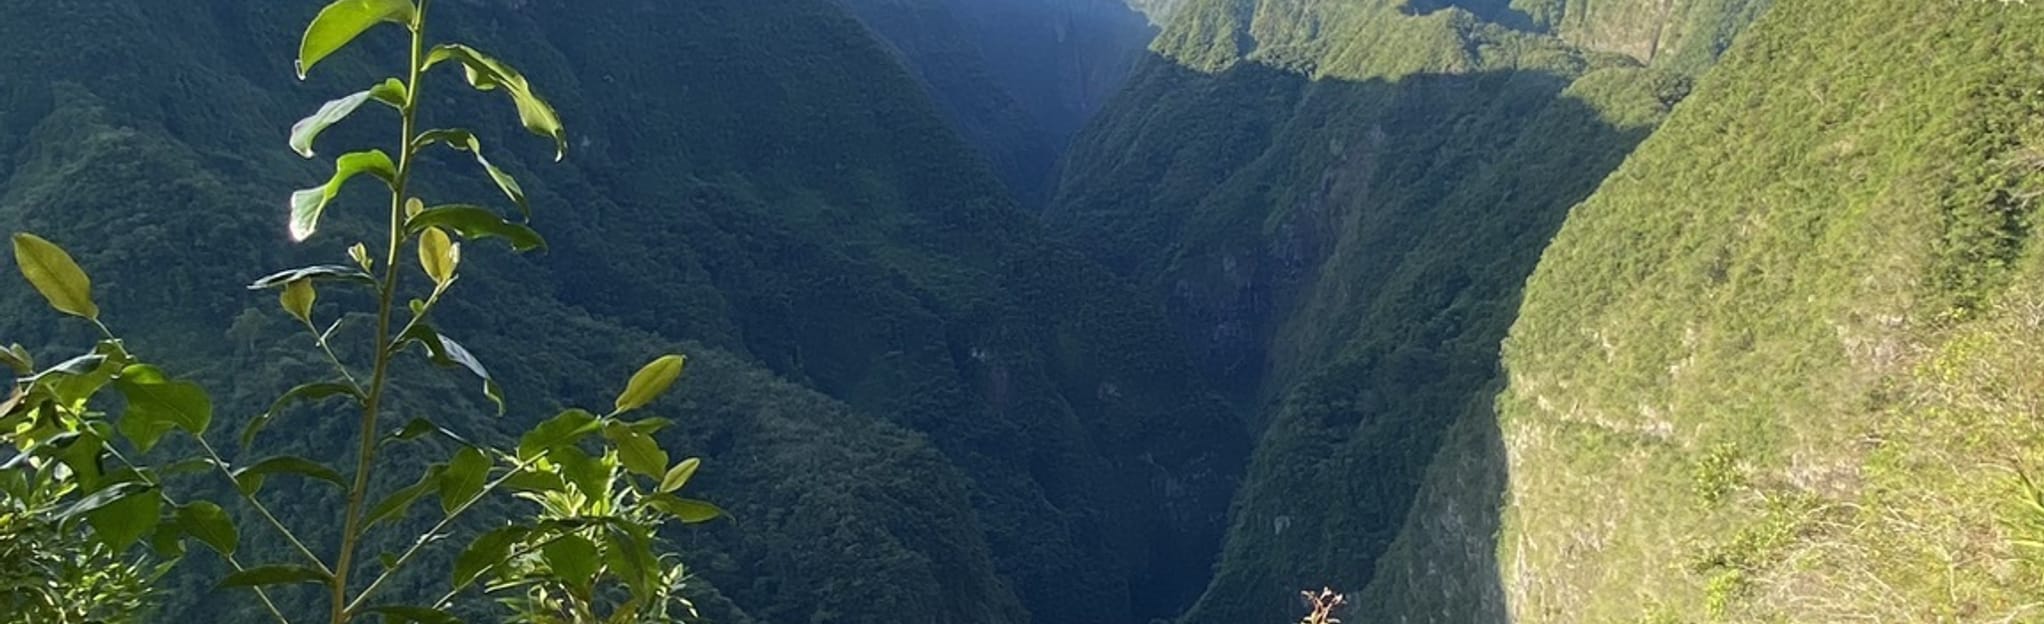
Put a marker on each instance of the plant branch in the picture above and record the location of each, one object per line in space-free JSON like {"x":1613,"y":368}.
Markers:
{"x":427,"y":537}
{"x":320,"y":338}
{"x":264,"y":596}
{"x":289,"y":536}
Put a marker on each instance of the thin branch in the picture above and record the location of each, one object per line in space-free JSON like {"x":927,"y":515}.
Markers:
{"x":427,"y":537}
{"x":320,"y":338}
{"x":231,"y":561}
{"x":221,"y":464}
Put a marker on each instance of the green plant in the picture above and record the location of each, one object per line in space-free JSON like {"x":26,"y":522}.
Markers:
{"x":51,"y":574}
{"x":588,"y":555}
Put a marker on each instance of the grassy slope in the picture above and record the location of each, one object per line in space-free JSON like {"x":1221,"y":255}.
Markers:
{"x":1769,"y":371}
{"x":1340,"y":202}
{"x":763,"y":182}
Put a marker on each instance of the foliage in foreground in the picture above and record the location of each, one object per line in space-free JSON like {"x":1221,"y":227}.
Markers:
{"x":80,"y":428}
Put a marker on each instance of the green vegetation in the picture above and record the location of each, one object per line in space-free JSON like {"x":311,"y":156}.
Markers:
{"x":999,"y":429}
{"x":1821,"y":266}
{"x":590,"y":556}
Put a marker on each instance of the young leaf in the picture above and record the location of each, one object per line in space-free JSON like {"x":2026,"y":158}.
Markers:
{"x":637,"y":451}
{"x":158,"y":404}
{"x":438,"y":255}
{"x":306,"y":130}
{"x":395,"y":505}
{"x":687,"y":510}
{"x":574,"y":559}
{"x":360,"y":254}
{"x":322,"y":273}
{"x":464,"y":479}
{"x":486,"y":552}
{"x":563,"y":429}
{"x":650,"y":382}
{"x":465,"y":141}
{"x":307,"y":205}
{"x":261,"y":576}
{"x":475,"y":222}
{"x":341,"y":22}
{"x":125,"y":521}
{"x":488,"y":74}
{"x":297,"y":299}
{"x":307,"y":392}
{"x":55,"y":275}
{"x":210,"y":524}
{"x":679,"y":475}
{"x":250,"y":479}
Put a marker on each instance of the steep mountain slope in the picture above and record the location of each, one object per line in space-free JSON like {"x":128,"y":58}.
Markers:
{"x":1019,"y":77}
{"x":1774,"y":369}
{"x":1340,"y":201}
{"x":919,"y":410}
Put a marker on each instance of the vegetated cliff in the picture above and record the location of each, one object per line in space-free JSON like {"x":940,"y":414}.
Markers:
{"x":1018,"y":77}
{"x":917,"y":408}
{"x":1775,"y":368}
{"x":1339,"y":202}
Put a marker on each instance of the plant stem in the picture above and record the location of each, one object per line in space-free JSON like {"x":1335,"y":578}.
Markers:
{"x":366,"y":453}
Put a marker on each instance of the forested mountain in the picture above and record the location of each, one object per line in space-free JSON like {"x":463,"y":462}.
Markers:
{"x":1018,"y":77}
{"x":1145,"y":311}
{"x":916,"y":408}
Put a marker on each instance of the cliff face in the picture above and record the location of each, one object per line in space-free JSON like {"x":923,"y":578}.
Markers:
{"x":1339,"y":202}
{"x":1776,"y":367}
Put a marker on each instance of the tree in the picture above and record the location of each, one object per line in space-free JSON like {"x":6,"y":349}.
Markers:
{"x":601,"y":486}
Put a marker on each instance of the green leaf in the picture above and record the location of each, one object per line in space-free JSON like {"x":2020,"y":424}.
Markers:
{"x":630,"y":556}
{"x":392,"y":93}
{"x":297,"y":299}
{"x":419,"y":428}
{"x":563,"y":429}
{"x":488,"y":550}
{"x":125,"y":521}
{"x":489,"y":74}
{"x":447,"y":353}
{"x":17,"y":358}
{"x":341,"y":22}
{"x":210,"y":524}
{"x":637,"y":451}
{"x":574,"y":559}
{"x":438,"y":255}
{"x":168,"y":541}
{"x":308,"y":392}
{"x":679,"y":475}
{"x":687,"y":510}
{"x":103,"y":498}
{"x":261,"y":576}
{"x":154,"y":400}
{"x":650,"y":382}
{"x":394,"y":506}
{"x":465,"y":141}
{"x":403,"y":614}
{"x":308,"y":129}
{"x":307,"y":205}
{"x":322,"y":273}
{"x":590,"y":475}
{"x":476,"y":222}
{"x":535,"y":481}
{"x":54,"y":274}
{"x":464,"y":479}
{"x":250,"y":479}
